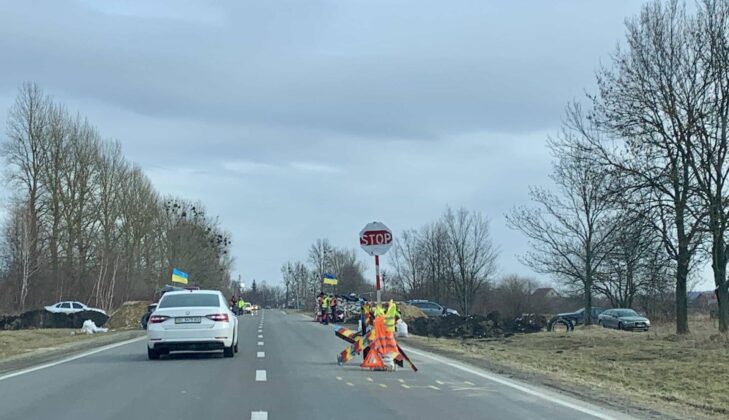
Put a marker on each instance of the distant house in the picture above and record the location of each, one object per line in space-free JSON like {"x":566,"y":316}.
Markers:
{"x":705,"y":298}
{"x":546,"y":293}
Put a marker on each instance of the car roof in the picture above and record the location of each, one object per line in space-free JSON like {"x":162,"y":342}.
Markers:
{"x":188,"y":292}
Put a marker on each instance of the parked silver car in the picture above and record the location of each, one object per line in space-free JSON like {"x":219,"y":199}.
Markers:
{"x":623,"y":319}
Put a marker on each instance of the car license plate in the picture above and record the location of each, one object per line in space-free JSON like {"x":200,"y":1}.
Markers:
{"x":187,"y":320}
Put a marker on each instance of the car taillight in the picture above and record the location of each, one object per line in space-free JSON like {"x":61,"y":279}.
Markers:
{"x":218,"y":317}
{"x":156,"y":319}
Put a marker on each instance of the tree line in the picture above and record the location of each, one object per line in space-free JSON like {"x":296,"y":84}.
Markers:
{"x":640,"y":171}
{"x":303,"y":280}
{"x":84,"y":223}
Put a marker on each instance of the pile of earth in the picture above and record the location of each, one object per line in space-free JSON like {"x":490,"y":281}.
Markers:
{"x":476,"y":326}
{"x":410,"y":313}
{"x":128,"y":315}
{"x":40,"y":318}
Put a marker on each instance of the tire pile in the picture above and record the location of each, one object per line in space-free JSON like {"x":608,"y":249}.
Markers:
{"x":477,"y":326}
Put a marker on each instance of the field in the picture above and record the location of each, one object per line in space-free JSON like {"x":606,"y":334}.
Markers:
{"x":657,"y":371}
{"x":14,"y":343}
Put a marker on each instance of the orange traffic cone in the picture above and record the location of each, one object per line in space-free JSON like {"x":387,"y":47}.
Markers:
{"x":373,"y":360}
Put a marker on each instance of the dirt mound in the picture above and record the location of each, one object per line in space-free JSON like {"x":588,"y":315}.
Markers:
{"x":40,"y":318}
{"x":476,"y":326}
{"x":409,"y":313}
{"x":128,"y":315}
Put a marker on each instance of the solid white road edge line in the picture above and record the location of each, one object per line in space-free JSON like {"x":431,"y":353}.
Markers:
{"x":72,"y":358}
{"x":261,"y":376}
{"x":259,"y":415}
{"x":510,"y":384}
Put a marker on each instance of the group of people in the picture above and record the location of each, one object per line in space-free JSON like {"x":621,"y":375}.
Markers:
{"x":326,"y":308}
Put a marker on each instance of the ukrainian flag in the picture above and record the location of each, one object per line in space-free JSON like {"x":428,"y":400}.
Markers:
{"x":179,"y":276}
{"x":330,"y":279}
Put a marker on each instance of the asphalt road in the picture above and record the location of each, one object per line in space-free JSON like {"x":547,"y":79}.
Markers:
{"x":286,"y":369}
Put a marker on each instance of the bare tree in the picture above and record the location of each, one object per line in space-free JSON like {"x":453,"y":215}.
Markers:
{"x":473,"y":255}
{"x":23,"y":152}
{"x":571,"y":230}
{"x":408,"y":263}
{"x":652,"y":100}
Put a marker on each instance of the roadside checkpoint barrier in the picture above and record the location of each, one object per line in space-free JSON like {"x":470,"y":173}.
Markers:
{"x":377,"y":345}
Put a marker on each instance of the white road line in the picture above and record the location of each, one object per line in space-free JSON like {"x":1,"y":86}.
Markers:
{"x":551,"y":397}
{"x":261,"y":376}
{"x":259,"y":415}
{"x":261,"y":354}
{"x":260,"y":335}
{"x":260,"y":343}
{"x":69,"y":359}
{"x":260,"y":330}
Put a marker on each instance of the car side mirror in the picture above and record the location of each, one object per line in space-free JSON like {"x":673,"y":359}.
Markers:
{"x":152,"y":307}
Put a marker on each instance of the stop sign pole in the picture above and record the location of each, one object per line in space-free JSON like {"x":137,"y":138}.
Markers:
{"x":376,"y":240}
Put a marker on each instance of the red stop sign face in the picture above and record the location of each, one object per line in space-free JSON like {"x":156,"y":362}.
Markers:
{"x":375,"y":238}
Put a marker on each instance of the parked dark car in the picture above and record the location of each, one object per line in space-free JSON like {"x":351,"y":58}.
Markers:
{"x":432,"y":309}
{"x":577,"y":317}
{"x":623,"y":319}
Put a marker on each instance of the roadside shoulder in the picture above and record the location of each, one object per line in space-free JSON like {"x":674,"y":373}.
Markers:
{"x":612,"y":402}
{"x":61,"y":351}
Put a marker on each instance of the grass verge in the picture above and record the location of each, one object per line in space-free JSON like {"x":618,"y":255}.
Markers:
{"x":24,"y":348}
{"x":656,"y":372}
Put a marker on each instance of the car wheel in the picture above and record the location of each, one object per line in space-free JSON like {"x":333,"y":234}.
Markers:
{"x":228,"y":351}
{"x":152,"y":354}
{"x":601,"y":324}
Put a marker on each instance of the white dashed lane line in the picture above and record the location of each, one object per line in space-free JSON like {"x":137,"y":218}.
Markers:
{"x":260,"y":343}
{"x":260,"y":335}
{"x":259,"y":415}
{"x":261,"y":376}
{"x":261,"y":354}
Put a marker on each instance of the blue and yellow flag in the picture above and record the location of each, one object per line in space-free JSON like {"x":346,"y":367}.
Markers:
{"x":330,"y":279}
{"x":179,"y":276}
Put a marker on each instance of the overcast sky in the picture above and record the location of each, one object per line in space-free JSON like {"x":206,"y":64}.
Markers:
{"x":294,"y":120}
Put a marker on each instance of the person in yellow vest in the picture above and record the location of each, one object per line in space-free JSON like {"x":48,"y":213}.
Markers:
{"x":325,"y":310}
{"x":390,"y":316}
{"x":241,"y":305}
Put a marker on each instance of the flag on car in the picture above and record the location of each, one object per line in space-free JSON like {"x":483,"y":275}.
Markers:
{"x":179,"y":276}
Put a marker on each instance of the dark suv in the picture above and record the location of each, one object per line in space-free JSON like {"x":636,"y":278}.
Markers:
{"x":431,"y":309}
{"x":578,"y":317}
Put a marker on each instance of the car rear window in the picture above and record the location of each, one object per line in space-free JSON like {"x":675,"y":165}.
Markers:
{"x":191,"y":300}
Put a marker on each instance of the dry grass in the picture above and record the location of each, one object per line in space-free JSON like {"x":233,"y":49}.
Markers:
{"x":15,"y":343}
{"x":657,"y":370}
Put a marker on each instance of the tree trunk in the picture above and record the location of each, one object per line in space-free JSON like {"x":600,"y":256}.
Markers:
{"x":681,"y":299}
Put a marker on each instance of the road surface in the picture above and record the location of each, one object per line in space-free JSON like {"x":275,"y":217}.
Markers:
{"x":286,"y":369}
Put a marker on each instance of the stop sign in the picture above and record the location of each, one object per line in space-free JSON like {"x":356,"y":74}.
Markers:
{"x":375,"y":238}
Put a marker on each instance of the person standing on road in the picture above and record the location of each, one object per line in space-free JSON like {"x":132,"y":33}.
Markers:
{"x":333,"y":308}
{"x":241,"y":304}
{"x":325,"y":310}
